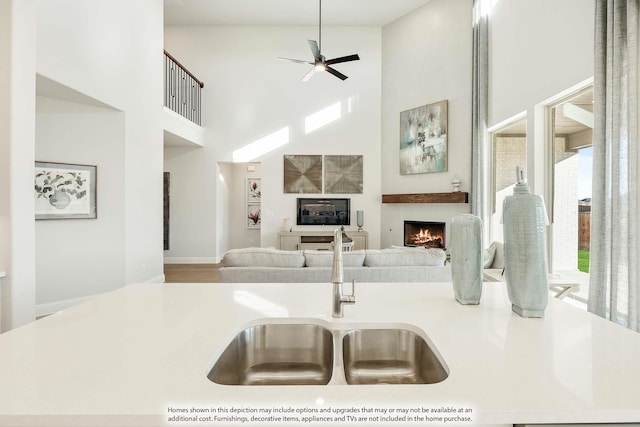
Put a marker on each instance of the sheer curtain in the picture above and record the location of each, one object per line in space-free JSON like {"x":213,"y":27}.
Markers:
{"x":613,"y":287}
{"x":479,"y":114}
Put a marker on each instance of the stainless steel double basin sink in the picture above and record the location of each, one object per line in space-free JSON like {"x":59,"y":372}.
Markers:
{"x":305,"y":352}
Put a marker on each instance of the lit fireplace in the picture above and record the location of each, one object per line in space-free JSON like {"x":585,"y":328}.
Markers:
{"x":424,"y":233}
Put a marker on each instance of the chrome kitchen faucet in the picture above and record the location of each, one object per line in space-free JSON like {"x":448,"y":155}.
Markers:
{"x":337,"y":277}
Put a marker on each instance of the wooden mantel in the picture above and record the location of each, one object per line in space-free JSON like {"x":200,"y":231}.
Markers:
{"x":454,"y":197}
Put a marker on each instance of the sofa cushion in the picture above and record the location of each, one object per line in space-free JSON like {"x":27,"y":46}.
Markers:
{"x":262,"y":257}
{"x":408,"y":248}
{"x":404,"y":257}
{"x":498,"y":259}
{"x":413,"y":273}
{"x":489,"y":254}
{"x":325,"y":258}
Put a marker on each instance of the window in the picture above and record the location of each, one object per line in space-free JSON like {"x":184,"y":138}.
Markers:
{"x":509,"y":147}
{"x":572,"y":120}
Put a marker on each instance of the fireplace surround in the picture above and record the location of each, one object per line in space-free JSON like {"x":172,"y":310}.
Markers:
{"x":424,"y":233}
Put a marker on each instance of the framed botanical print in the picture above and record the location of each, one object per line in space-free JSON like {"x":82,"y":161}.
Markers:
{"x":64,"y":191}
{"x":254,"y":190}
{"x":254,"y":215}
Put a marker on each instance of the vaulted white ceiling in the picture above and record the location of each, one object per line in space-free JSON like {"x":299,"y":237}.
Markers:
{"x":287,"y":12}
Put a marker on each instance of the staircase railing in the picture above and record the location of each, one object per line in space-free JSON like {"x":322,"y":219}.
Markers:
{"x":183,"y":90}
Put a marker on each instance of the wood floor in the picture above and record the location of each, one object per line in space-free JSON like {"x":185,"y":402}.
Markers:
{"x":191,"y":273}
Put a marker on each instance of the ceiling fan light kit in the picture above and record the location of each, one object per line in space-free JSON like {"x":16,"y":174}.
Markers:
{"x":320,"y":63}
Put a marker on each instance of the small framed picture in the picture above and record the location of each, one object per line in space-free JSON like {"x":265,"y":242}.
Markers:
{"x":254,"y":190}
{"x":254,"y":215}
{"x":64,"y":191}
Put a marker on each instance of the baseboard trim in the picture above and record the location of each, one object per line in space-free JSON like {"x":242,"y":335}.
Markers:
{"x":157,"y":279}
{"x":54,"y":307}
{"x":191,"y":260}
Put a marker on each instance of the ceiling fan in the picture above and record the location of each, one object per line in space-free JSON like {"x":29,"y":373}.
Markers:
{"x":320,"y":63}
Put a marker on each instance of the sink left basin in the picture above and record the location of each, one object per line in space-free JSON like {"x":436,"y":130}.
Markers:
{"x":277,"y":354}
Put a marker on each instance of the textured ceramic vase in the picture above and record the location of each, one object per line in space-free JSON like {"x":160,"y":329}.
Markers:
{"x":523,"y":220}
{"x":465,"y":247}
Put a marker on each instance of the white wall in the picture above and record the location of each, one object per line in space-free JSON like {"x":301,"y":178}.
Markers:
{"x":537,"y":50}
{"x":426,"y":58}
{"x":77,"y":258}
{"x":17,"y":136}
{"x":112,"y":52}
{"x":249,"y":94}
{"x":224,"y":214}
{"x":192,"y":220}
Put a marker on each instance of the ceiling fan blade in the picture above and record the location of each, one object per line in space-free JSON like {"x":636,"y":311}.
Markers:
{"x":295,"y":60}
{"x":336,"y":73}
{"x":315,"y":50}
{"x":309,"y":75}
{"x":342,"y":59}
{"x":319,"y":63}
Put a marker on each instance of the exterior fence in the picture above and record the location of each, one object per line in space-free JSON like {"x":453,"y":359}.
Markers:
{"x":584,"y":227}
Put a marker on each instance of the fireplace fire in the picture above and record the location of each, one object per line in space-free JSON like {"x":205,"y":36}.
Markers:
{"x":424,"y":233}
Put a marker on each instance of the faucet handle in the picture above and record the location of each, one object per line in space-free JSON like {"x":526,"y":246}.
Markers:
{"x":353,"y":288}
{"x":350,"y":298}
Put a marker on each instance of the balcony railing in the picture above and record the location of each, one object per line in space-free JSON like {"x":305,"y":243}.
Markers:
{"x":183,"y":91}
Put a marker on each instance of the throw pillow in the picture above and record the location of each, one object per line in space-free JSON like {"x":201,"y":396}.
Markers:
{"x":489,"y":254}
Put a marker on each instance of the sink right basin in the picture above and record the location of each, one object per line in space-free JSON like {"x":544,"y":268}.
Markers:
{"x":389,"y":356}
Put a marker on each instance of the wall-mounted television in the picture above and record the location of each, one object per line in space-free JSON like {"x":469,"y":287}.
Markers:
{"x":325,"y":211}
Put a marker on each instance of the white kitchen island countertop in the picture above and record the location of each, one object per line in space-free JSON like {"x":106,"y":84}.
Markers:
{"x":126,"y":357}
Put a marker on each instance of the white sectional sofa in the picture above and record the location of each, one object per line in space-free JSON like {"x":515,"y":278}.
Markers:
{"x":268,"y":265}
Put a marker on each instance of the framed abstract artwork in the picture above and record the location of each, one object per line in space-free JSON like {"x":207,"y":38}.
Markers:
{"x":343,"y":174}
{"x":303,"y":174}
{"x":64,"y":191}
{"x":423,"y":139}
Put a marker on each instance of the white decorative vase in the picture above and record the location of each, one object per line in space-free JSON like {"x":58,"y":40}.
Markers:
{"x":523,"y":218}
{"x":456,"y":184}
{"x":286,"y":224}
{"x":465,"y":247}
